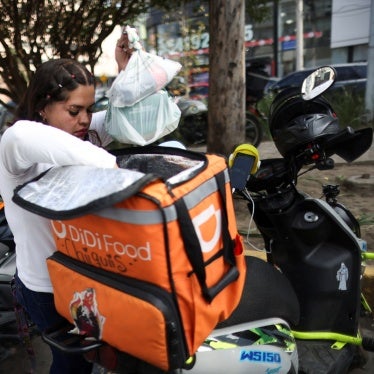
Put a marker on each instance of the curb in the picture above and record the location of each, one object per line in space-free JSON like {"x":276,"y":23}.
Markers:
{"x":364,"y":182}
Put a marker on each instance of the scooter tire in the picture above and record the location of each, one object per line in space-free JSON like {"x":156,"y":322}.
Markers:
{"x":317,"y":357}
{"x":253,"y":130}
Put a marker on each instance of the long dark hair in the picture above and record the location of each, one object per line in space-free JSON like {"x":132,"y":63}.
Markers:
{"x":52,"y":82}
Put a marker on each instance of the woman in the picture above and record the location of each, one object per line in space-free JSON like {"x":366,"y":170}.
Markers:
{"x":55,"y":126}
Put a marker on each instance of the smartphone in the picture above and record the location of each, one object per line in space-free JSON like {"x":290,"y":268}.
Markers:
{"x":241,"y":170}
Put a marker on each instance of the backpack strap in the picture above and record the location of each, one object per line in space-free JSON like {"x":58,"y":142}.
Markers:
{"x":194,"y":251}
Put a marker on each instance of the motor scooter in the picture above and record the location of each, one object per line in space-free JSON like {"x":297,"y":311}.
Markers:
{"x":315,"y":243}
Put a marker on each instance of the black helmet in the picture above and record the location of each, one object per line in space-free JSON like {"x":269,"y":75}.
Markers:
{"x":294,"y":122}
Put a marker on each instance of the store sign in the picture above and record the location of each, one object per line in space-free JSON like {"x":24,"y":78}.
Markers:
{"x":288,"y":45}
{"x":197,"y":42}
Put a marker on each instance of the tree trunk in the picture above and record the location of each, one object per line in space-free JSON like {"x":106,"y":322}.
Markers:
{"x":226,"y":101}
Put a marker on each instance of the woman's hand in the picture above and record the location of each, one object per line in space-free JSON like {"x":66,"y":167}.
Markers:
{"x":123,"y":52}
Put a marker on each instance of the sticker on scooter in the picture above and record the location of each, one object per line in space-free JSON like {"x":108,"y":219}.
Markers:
{"x":342,"y":277}
{"x":260,"y":356}
{"x":273,"y":371}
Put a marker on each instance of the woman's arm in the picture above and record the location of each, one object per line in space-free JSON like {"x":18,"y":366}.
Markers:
{"x":122,"y":52}
{"x":27,"y":143}
{"x":98,"y":125}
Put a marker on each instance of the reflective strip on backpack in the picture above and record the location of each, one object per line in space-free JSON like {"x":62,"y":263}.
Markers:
{"x":152,"y":217}
{"x":207,"y":188}
{"x":138,"y":217}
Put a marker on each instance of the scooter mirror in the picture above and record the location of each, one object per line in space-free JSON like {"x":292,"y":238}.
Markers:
{"x":318,"y":82}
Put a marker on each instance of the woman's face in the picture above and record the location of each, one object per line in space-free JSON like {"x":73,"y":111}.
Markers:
{"x":74,"y":114}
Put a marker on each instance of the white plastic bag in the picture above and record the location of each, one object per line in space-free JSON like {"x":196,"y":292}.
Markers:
{"x":145,"y":122}
{"x":144,"y":75}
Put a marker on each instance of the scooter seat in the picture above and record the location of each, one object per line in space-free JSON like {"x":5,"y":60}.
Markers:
{"x":267,"y":294}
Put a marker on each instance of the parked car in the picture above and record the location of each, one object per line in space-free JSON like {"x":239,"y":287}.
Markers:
{"x":352,"y":75}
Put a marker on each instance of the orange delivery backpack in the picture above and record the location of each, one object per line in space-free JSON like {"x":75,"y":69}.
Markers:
{"x":148,"y":256}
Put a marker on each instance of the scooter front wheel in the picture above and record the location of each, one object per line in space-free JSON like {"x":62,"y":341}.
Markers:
{"x":253,"y":130}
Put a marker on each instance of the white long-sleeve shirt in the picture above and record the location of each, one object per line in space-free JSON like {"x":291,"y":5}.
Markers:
{"x":27,"y":149}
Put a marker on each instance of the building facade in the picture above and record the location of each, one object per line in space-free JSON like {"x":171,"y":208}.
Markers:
{"x":335,"y":31}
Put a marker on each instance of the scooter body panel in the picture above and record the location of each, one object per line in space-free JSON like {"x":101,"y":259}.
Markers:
{"x":321,"y":257}
{"x":248,"y":348}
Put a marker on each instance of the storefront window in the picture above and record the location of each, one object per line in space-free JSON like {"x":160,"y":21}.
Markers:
{"x":316,"y":30}
{"x":185,"y":36}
